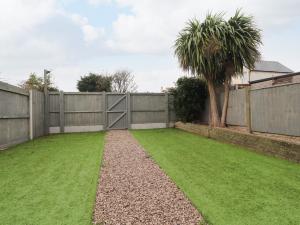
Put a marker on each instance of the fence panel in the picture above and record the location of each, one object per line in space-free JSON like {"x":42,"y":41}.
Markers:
{"x":235,"y":111}
{"x":14,"y":115}
{"x":38,"y":100}
{"x":81,"y":112}
{"x":148,"y":110}
{"x":236,"y":108}
{"x":272,"y":110}
{"x":54,"y":112}
{"x":276,"y":109}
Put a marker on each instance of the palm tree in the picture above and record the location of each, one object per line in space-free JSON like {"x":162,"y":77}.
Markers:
{"x":199,"y":51}
{"x":240,"y":45}
{"x":218,"y":50}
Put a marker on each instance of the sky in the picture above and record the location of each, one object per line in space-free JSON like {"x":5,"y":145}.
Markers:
{"x":74,"y":37}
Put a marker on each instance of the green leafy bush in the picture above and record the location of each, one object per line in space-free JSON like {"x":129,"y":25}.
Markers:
{"x":94,"y":83}
{"x":189,"y":98}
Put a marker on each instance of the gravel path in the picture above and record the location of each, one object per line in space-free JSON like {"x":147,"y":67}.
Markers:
{"x":133,"y":190}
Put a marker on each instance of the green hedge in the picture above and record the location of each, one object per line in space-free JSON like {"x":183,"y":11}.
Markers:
{"x":189,"y":98}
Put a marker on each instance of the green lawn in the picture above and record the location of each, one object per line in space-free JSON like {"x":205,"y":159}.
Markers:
{"x":51,"y":180}
{"x":228,"y":184}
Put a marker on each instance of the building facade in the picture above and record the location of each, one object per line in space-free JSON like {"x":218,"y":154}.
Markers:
{"x":262,"y":70}
{"x":292,"y":78}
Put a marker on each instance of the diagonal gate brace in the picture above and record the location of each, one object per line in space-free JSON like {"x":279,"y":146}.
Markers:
{"x":116,"y":120}
{"x":116,"y":103}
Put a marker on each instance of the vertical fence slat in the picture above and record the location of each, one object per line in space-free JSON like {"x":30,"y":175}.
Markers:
{"x":61,"y":112}
{"x":46,"y":112}
{"x":37,"y":113}
{"x":31,"y":115}
{"x":167,"y":109}
{"x":248,"y":109}
{"x":128,"y":111}
{"x":46,"y":105}
{"x":104,"y":109}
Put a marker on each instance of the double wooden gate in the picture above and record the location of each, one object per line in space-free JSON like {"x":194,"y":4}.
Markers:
{"x":116,"y":111}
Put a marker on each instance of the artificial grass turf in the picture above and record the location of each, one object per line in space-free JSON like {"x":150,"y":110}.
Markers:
{"x":229,"y":185}
{"x":51,"y":180}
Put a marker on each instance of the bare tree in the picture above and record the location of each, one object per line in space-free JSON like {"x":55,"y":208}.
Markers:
{"x":123,"y":81}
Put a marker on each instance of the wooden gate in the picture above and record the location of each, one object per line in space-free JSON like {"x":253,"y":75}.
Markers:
{"x":116,"y":111}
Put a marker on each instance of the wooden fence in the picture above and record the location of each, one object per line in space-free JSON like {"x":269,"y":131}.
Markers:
{"x":276,"y":109}
{"x":270,"y":110}
{"x":17,"y":108}
{"x":79,"y":112}
{"x":26,"y":115}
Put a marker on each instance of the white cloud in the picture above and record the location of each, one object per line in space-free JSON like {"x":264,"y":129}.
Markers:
{"x":97,"y":2}
{"x":153,"y":25}
{"x":19,"y":47}
{"x":21,"y":16}
{"x":39,"y":34}
{"x":90,"y":32}
{"x":157,"y":79}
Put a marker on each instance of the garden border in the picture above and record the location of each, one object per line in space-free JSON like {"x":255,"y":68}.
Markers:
{"x":266,"y":145}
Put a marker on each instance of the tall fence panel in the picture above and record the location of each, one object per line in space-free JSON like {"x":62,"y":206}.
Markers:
{"x":276,"y":109}
{"x":148,"y":110}
{"x":54,"y":120}
{"x":271,"y":110}
{"x":37,"y":113}
{"x":14,"y":115}
{"x":236,"y":107}
{"x":235,"y":110}
{"x":83,"y":111}
{"x":76,"y":112}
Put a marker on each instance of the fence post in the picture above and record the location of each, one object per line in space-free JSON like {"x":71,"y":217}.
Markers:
{"x":30,"y":114}
{"x":104,"y":109}
{"x":128,"y":111}
{"x":61,"y":112}
{"x":248,"y":109}
{"x":167,"y":109}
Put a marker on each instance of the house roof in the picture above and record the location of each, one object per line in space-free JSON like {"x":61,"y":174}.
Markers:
{"x":271,"y":66}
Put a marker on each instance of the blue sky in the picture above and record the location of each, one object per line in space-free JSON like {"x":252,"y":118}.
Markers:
{"x":98,"y":14}
{"x":73,"y":37}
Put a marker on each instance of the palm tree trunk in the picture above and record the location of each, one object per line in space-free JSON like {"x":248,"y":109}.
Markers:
{"x":225,"y":103}
{"x":215,"y":119}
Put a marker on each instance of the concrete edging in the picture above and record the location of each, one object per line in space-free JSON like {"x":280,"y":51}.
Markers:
{"x":278,"y":148}
{"x":76,"y":129}
{"x":13,"y":143}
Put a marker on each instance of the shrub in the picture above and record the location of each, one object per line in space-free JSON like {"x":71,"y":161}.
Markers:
{"x":189,"y":98}
{"x":94,"y":83}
